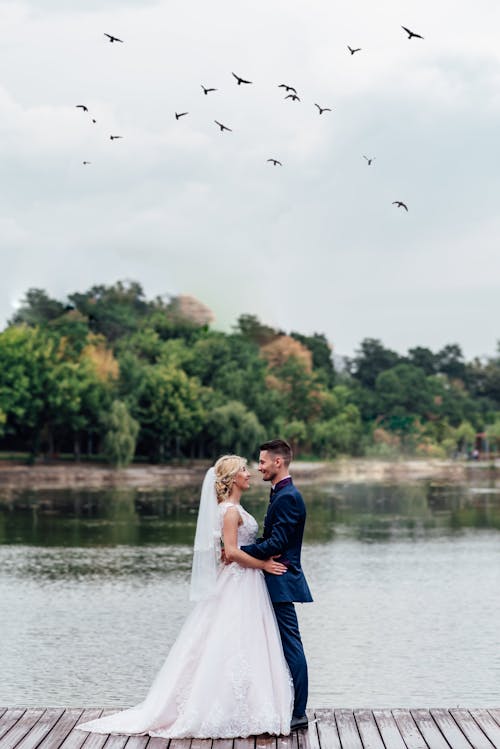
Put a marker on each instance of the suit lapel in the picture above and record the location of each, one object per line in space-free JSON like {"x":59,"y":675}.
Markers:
{"x":265,"y":531}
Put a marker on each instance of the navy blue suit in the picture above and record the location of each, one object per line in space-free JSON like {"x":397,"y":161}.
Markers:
{"x":283,"y":532}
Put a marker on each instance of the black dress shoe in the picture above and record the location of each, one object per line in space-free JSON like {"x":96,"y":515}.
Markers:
{"x":297,"y":723}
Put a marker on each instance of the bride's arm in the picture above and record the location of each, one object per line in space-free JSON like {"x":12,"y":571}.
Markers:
{"x":234,"y":554}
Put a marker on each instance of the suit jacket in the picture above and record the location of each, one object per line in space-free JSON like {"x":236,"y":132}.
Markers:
{"x":283,"y":532}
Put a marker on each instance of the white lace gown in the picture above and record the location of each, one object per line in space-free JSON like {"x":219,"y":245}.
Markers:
{"x":226,"y":675}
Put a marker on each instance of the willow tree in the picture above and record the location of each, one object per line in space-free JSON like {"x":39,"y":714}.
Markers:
{"x":121,"y":435}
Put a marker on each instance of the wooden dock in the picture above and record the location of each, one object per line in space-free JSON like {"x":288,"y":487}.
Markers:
{"x":456,"y":728}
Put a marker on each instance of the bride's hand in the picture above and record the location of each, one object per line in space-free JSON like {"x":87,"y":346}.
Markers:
{"x":273,"y":567}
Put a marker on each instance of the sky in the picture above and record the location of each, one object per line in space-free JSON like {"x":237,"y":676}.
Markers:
{"x":315,"y":245}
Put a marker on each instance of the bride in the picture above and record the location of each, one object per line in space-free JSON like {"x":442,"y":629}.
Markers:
{"x":226,"y":675}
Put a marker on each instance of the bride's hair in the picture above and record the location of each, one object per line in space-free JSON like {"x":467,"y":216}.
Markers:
{"x":226,"y":469}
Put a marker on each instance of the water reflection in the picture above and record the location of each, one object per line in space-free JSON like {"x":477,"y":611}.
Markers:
{"x":130,"y":517}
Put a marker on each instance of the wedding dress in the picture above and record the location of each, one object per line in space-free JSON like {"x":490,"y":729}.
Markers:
{"x":226,"y":675}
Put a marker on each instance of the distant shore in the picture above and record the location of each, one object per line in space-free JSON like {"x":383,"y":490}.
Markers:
{"x":346,"y":470}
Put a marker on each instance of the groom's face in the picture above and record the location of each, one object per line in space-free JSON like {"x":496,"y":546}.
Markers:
{"x":268,"y":465}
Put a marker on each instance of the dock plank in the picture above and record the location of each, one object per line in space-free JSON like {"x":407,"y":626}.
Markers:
{"x":244,"y":743}
{"x":309,"y":739}
{"x":495,"y":713}
{"x":96,"y":740}
{"x":327,"y":729}
{"x":139,"y":742}
{"x":180,"y":744}
{"x":408,"y":729}
{"x":21,"y":727}
{"x":348,"y":730}
{"x":389,"y":731}
{"x":10,"y":718}
{"x":157,"y":743}
{"x":488,"y":724}
{"x":470,"y":728}
{"x":287,"y":742}
{"x":368,"y":730}
{"x":449,"y":729}
{"x":429,"y":729}
{"x":263,"y":741}
{"x":61,"y":729}
{"x":117,"y":741}
{"x":41,"y":728}
{"x":75,"y":739}
{"x":400,"y":728}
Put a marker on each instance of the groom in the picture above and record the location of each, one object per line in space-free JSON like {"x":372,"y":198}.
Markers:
{"x":283,"y":531}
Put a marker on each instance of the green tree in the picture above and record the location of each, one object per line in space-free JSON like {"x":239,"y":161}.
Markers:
{"x":112,"y":311}
{"x":121,"y":435}
{"x":46,"y":390}
{"x":26,"y":382}
{"x":321,"y":355}
{"x":234,"y":429}
{"x":450,"y":361}
{"x":169,"y":410}
{"x":464,"y":435}
{"x":250,"y":327}
{"x":231,"y":366}
{"x":403,"y":388}
{"x":340,"y":434}
{"x":371,"y":359}
{"x":299,"y":391}
{"x":424,"y":359}
{"x":493,"y":434}
{"x":295,"y":432}
{"x":37,"y":308}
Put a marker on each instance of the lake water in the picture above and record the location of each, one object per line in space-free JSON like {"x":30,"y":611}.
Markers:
{"x":406,"y":581}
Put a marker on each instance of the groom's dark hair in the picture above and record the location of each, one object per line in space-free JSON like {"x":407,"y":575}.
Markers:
{"x":279,"y":447}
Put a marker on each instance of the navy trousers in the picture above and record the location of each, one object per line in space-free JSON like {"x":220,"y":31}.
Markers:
{"x":294,"y":653}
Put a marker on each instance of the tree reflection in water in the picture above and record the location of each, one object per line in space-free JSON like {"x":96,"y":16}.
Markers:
{"x":373,"y":512}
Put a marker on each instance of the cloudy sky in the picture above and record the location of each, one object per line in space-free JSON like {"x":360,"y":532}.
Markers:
{"x":315,"y":245}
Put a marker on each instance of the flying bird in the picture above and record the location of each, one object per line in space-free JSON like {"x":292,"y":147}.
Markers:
{"x":411,"y":33}
{"x":181,"y":114}
{"x":293,"y":97}
{"x":275,"y":162}
{"x":222,"y":127}
{"x":86,"y":162}
{"x":207,"y":90}
{"x":400,"y":204}
{"x":113,"y":38}
{"x":352,"y":51}
{"x":369,"y":160}
{"x":82,"y":107}
{"x":115,"y":137}
{"x":239,"y":80}
{"x":322,"y":109}
{"x":94,"y":121}
{"x":287,"y":88}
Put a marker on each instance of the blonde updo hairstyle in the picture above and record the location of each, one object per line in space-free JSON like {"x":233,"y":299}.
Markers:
{"x":226,"y":469}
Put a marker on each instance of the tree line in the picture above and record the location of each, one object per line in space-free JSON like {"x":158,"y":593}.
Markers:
{"x":110,"y":373}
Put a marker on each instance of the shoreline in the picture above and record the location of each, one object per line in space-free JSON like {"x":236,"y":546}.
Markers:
{"x":344,"y":470}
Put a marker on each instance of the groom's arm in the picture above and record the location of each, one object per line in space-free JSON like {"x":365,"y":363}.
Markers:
{"x":286,"y":517}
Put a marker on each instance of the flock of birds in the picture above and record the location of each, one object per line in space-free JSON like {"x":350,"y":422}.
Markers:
{"x":290,"y":93}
